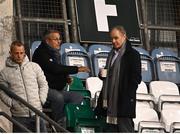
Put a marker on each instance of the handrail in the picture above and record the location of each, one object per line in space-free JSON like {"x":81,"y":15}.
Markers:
{"x":14,"y":121}
{"x":38,"y":112}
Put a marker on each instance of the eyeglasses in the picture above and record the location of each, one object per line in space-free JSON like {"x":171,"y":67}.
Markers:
{"x":56,"y":39}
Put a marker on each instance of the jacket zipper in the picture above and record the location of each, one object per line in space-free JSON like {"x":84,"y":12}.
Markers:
{"x":24,"y":88}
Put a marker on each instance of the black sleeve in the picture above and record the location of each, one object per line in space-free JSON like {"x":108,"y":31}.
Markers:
{"x":43,"y":59}
{"x":136,"y":72}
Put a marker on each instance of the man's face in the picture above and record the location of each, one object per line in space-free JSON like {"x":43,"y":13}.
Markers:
{"x":17,"y":54}
{"x":54,"y":40}
{"x":117,"y":38}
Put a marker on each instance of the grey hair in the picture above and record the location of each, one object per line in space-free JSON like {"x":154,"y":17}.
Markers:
{"x":119,"y":28}
{"x":48,"y":32}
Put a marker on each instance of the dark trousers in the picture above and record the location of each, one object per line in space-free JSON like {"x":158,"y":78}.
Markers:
{"x":58,"y":99}
{"x":29,"y":123}
{"x":125,"y":125}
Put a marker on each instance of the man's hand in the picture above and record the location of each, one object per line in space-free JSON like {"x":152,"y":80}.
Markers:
{"x":83,"y":69}
{"x":69,"y":80}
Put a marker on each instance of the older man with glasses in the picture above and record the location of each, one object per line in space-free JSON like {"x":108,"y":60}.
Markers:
{"x":48,"y":57}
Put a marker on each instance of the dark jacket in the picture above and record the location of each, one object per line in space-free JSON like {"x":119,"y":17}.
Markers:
{"x":56,"y":74}
{"x":130,"y":77}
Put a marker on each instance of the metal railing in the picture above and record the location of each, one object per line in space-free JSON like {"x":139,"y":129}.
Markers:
{"x":14,"y":122}
{"x":36,"y":111}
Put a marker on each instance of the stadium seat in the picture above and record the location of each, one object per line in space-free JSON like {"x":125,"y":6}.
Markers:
{"x":144,"y":114}
{"x":97,"y":48}
{"x":99,"y":54}
{"x":144,"y":99}
{"x":151,"y":127}
{"x":169,"y":102}
{"x":147,"y":66}
{"x":34,"y":45}
{"x":169,"y":116}
{"x":141,"y":51}
{"x":158,"y":52}
{"x":81,"y":118}
{"x":158,"y":88}
{"x":175,"y":127}
{"x":168,"y":68}
{"x":94,"y":85}
{"x":142,"y":88}
{"x":76,"y":55}
{"x":77,"y":86}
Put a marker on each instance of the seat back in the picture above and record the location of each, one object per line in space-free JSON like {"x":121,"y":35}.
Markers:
{"x":158,"y":52}
{"x":99,"y":54}
{"x":151,"y":127}
{"x":76,"y":55}
{"x":168,"y":69}
{"x":142,"y":88}
{"x":147,"y":65}
{"x":76,"y":84}
{"x":147,"y":68}
{"x":81,"y":118}
{"x":94,"y":84}
{"x":34,"y":46}
{"x":158,"y":88}
{"x":97,"y":48}
{"x":169,"y":102}
{"x":144,"y":114}
{"x":168,"y":116}
{"x":141,"y":51}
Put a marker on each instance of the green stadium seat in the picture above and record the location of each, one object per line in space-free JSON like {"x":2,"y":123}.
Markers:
{"x":81,"y":118}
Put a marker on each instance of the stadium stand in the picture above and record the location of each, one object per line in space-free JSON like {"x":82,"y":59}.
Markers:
{"x":160,"y":68}
{"x":98,"y":54}
{"x":75,"y":55}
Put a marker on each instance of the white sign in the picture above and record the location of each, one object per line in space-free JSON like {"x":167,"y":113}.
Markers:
{"x":76,"y":61}
{"x":168,"y":67}
{"x":144,"y":66}
{"x":71,"y":49}
{"x":98,"y":51}
{"x":101,"y":62}
{"x":87,"y":130}
{"x":102,"y":11}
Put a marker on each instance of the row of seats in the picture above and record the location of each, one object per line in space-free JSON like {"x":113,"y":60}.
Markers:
{"x":74,"y":54}
{"x":159,"y":109}
{"x":162,"y":65}
{"x":152,"y":106}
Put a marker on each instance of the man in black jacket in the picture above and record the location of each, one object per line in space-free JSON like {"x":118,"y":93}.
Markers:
{"x":48,"y":57}
{"x":117,"y":100}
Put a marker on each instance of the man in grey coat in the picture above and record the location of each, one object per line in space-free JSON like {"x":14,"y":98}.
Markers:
{"x":26,"y":79}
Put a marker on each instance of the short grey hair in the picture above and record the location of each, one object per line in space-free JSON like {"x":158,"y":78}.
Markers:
{"x":119,"y":28}
{"x":48,"y":32}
